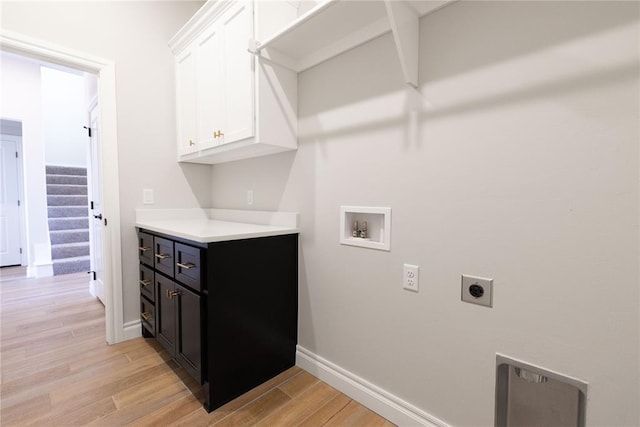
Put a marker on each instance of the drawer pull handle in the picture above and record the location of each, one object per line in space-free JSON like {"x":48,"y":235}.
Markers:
{"x":146,"y":315}
{"x":171,"y":294}
{"x":185,"y":266}
{"x":144,"y":248}
{"x":145,"y":282}
{"x":162,"y":256}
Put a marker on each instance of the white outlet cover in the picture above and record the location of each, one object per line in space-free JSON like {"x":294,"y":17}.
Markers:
{"x":411,"y":277}
{"x":147,"y":196}
{"x":477,"y":290}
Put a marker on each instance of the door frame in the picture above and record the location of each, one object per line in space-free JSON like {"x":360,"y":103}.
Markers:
{"x":22,"y":231}
{"x":105,"y":69}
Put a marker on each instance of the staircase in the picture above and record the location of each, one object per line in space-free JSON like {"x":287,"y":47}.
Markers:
{"x":67,"y":208}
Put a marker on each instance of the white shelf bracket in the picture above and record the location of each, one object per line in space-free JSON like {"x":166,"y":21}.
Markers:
{"x":404,"y":21}
{"x":271,"y":56}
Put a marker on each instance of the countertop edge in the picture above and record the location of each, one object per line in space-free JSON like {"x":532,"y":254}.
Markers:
{"x":218,"y":238}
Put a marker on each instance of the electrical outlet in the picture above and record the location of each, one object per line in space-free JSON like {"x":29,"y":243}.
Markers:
{"x":477,"y":290}
{"x":411,"y":277}
{"x":249,"y":197}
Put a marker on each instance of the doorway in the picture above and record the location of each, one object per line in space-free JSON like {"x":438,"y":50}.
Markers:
{"x":108,"y":151}
{"x":11,"y":201}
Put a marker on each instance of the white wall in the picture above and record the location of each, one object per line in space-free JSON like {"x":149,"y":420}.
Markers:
{"x":134,"y":35}
{"x":64,"y":115}
{"x":22,"y":101}
{"x":517,"y":159}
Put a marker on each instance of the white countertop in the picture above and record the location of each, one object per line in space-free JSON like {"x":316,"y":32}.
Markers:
{"x":216,"y":225}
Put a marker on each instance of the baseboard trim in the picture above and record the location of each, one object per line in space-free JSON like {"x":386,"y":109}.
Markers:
{"x":373,"y":397}
{"x":132,"y":330}
{"x":41,"y":270}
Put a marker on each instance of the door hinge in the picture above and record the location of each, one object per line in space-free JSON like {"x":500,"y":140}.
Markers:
{"x":105,"y":221}
{"x":20,"y":250}
{"x":16,"y":154}
{"x":91,"y":204}
{"x":18,"y":202}
{"x":88,"y":130}
{"x":94,"y":274}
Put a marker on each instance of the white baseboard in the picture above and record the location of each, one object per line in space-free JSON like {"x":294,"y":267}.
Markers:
{"x":41,"y":270}
{"x":373,"y":397}
{"x":132,"y":330}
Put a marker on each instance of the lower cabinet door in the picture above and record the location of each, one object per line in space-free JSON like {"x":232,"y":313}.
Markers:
{"x":166,"y":331}
{"x":189,"y":347}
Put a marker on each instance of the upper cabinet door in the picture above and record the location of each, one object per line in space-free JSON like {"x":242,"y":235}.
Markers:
{"x":239,"y":79}
{"x":186,"y":101}
{"x":210,"y":77}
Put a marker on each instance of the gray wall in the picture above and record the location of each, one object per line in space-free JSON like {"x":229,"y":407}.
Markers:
{"x":516,"y":159}
{"x":134,"y":35}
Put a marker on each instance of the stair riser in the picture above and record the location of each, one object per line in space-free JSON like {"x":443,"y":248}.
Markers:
{"x":66,"y":190}
{"x":67,"y":179}
{"x":71,"y":267}
{"x":67,"y":200}
{"x":63,"y":212}
{"x":69,"y":237}
{"x":68,"y":224}
{"x":69,"y":251}
{"x":65,"y":170}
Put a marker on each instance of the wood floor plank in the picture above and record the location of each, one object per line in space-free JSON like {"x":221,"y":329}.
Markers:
{"x":297,"y":410}
{"x":327,"y":411}
{"x":253,"y":412}
{"x":356,"y":415}
{"x":57,"y":370}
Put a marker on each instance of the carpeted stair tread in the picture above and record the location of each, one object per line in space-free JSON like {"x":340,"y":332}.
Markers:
{"x":69,"y":250}
{"x":66,"y":189}
{"x":68,"y":200}
{"x":66,"y":170}
{"x":67,"y":179}
{"x":71,"y":265}
{"x":67,"y":211}
{"x":68,"y":223}
{"x":68,"y":236}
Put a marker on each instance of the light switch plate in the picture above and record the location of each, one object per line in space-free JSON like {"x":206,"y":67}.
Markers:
{"x":477,"y":290}
{"x":147,"y":196}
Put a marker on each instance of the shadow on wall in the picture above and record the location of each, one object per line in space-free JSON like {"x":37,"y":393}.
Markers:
{"x":193,"y":173}
{"x":447,"y":54}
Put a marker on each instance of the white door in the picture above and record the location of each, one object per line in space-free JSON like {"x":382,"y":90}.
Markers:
{"x":9,"y":202}
{"x":96,"y":221}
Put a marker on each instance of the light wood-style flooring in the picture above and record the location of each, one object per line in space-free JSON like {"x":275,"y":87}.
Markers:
{"x":58,"y":371}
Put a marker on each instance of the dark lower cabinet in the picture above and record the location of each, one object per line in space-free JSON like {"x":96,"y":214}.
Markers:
{"x":226,"y":311}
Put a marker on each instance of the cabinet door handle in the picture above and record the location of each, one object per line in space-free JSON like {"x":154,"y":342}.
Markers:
{"x":185,"y":266}
{"x":143,"y":248}
{"x":162,"y":256}
{"x":191,"y":143}
{"x":218,"y":134}
{"x":174,"y":294}
{"x":146,"y":315}
{"x":145,"y":282}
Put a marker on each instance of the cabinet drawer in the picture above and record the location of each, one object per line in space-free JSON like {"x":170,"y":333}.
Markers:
{"x":163,"y":255}
{"x":145,"y":280}
{"x":188,"y":265}
{"x":145,"y":248}
{"x":148,"y":315}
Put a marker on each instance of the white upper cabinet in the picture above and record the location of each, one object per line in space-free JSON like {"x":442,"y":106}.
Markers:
{"x":230,"y":104}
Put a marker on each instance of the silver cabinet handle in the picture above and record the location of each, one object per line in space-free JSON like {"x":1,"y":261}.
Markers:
{"x":185,"y":266}
{"x":144,"y":248}
{"x":145,"y":282}
{"x":162,"y":256}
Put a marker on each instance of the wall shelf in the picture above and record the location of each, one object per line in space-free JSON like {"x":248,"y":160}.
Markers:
{"x":335,"y":26}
